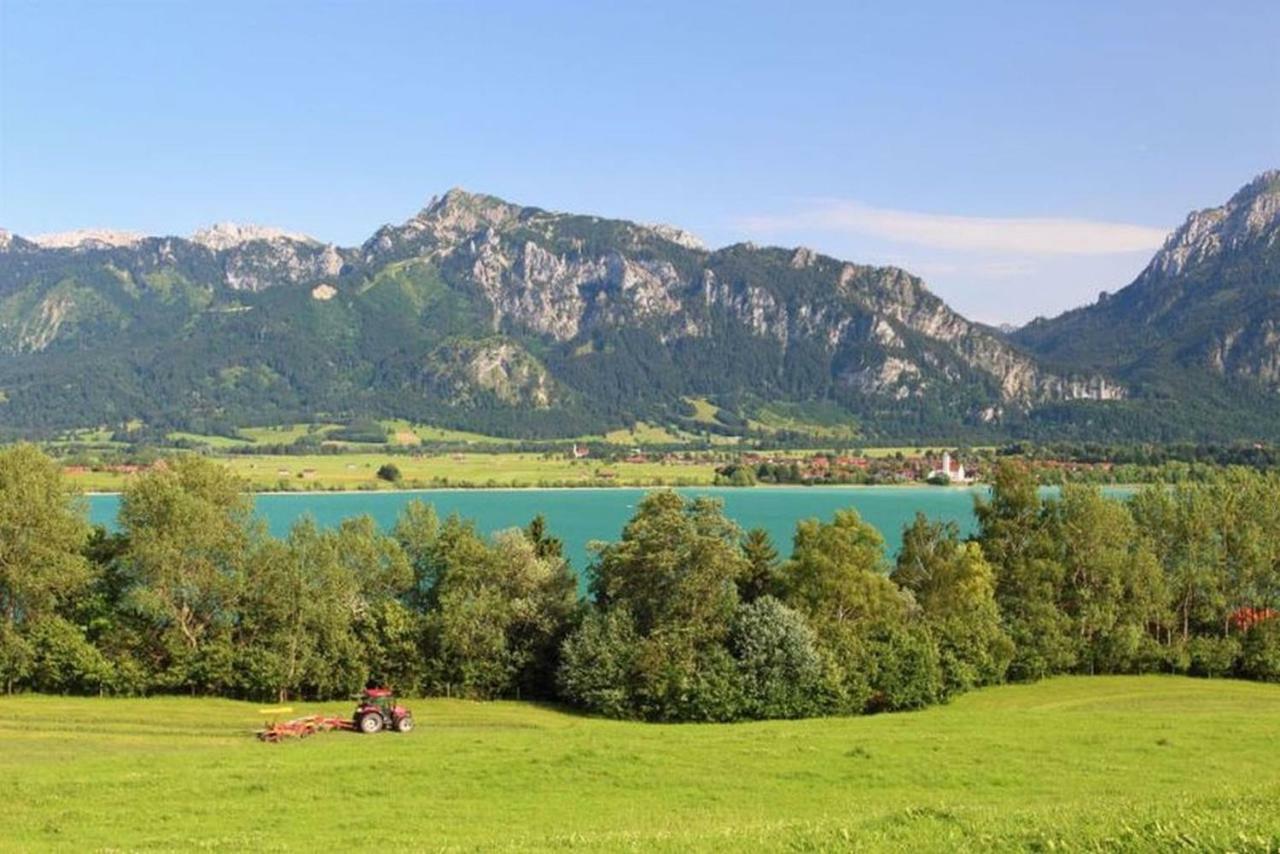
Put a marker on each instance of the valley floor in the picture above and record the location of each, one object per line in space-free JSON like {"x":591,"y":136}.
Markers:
{"x":1112,"y":762}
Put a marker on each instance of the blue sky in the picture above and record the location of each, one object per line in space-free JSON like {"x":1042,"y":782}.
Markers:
{"x":1019,"y":156}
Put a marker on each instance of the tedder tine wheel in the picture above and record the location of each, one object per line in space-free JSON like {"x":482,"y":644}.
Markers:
{"x":371,"y":723}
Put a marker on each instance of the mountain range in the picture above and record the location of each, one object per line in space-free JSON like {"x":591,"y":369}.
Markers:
{"x":480,"y":314}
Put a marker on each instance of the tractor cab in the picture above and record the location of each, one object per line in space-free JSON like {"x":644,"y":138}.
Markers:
{"x":377,"y":710}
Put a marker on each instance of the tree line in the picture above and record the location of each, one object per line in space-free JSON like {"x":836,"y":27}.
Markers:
{"x":685,"y":616}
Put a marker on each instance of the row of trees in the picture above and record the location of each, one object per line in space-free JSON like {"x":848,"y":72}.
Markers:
{"x":687,"y":617}
{"x":1184,"y":578}
{"x":690,"y":621}
{"x":193,"y":595}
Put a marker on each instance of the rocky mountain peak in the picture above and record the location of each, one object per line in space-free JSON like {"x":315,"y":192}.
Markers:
{"x":227,"y":235}
{"x":1266,"y":183}
{"x":10,"y":242}
{"x":460,"y":210}
{"x":1252,"y":214}
{"x":446,"y":222}
{"x":88,"y":238}
{"x":1260,"y":202}
{"x":678,"y":236}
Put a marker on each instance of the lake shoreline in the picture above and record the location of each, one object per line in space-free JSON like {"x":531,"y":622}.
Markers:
{"x":771,"y":487}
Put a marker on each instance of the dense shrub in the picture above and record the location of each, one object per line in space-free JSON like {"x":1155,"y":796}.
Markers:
{"x":1212,"y":656}
{"x":597,"y":666}
{"x":782,"y":674}
{"x":1260,"y":651}
{"x":392,"y":632}
{"x":847,"y":659}
{"x":905,"y":671}
{"x":16,"y":656}
{"x":674,"y":575}
{"x":364,"y":430}
{"x":1016,"y":535}
{"x":708,"y":689}
{"x":64,"y":662}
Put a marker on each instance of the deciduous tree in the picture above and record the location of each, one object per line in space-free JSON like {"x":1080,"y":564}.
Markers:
{"x":42,"y":535}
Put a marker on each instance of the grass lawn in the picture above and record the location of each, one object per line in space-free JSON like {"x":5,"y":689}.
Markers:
{"x":405,"y":433}
{"x":772,"y":421}
{"x":1149,"y":763}
{"x":645,"y":433}
{"x":284,"y":434}
{"x":356,"y":469}
{"x":215,"y":442}
{"x":704,"y":411}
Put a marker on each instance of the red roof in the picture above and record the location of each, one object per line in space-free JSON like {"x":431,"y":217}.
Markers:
{"x":1246,"y":618}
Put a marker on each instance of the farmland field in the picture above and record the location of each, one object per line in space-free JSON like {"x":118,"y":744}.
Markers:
{"x":359,"y":471}
{"x":1077,"y":762}
{"x":474,"y":460}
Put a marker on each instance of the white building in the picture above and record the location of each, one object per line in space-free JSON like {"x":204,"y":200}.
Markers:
{"x":952,"y":470}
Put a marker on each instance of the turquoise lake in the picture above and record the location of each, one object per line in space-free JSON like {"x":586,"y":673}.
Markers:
{"x":578,"y":516}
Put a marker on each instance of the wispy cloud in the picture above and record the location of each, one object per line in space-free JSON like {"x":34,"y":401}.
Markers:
{"x":962,"y":266}
{"x":1021,"y":235}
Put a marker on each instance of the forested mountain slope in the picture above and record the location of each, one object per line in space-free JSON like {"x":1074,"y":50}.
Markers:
{"x":1196,"y":337}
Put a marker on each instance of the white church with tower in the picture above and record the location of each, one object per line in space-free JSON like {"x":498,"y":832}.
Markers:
{"x":952,"y":470}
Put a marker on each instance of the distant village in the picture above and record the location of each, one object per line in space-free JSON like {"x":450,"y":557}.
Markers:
{"x":750,"y":467}
{"x":851,"y":468}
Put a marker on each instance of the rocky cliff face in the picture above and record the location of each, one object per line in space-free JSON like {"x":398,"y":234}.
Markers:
{"x":497,"y":367}
{"x":554,"y":275}
{"x":256,"y":257}
{"x":260,"y":264}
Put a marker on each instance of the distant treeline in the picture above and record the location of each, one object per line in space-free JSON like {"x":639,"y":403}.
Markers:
{"x":687,"y":617}
{"x":1254,"y":455}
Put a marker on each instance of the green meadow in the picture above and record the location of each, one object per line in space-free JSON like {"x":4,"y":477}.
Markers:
{"x":476,"y":459}
{"x":358,"y":470}
{"x":1072,"y":763}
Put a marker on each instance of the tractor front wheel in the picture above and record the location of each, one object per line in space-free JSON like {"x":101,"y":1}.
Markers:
{"x":404,"y":723}
{"x":371,"y":723}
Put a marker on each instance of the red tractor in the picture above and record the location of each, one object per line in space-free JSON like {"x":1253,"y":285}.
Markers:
{"x":377,"y":710}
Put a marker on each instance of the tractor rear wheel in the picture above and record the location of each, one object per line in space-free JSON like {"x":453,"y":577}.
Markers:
{"x":404,"y":723}
{"x":371,"y":723}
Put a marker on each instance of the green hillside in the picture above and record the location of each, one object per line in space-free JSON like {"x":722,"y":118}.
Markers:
{"x":1145,"y":763}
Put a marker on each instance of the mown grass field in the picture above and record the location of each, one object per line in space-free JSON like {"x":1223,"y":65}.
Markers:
{"x":1132,"y":763}
{"x":359,"y":470}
